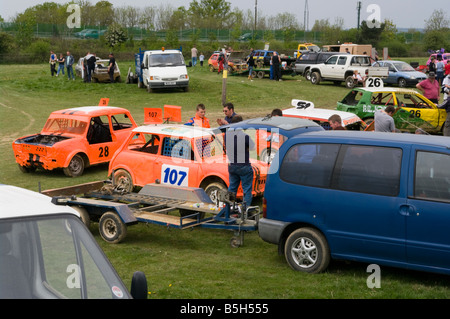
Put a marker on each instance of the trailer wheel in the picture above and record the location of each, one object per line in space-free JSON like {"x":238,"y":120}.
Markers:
{"x":261,"y":74}
{"x":111,"y":228}
{"x":84,"y":215}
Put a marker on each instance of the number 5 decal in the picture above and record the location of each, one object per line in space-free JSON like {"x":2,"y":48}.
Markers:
{"x":174,"y":175}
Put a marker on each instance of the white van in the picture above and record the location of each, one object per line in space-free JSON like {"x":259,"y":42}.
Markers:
{"x":161,"y":69}
{"x":46,"y":252}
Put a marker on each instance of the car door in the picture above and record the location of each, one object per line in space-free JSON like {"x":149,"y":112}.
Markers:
{"x":102,"y":142}
{"x":423,"y":114}
{"x":328,"y":70}
{"x":339,"y":70}
{"x":365,"y":217}
{"x":392,"y":78}
{"x":427,"y":239}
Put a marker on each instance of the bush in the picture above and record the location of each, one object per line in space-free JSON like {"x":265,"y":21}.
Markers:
{"x":39,"y":51}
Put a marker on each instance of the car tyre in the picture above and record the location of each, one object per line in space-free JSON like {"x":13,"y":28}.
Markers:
{"x":308,"y":75}
{"x":401,"y":82}
{"x":212,"y":188}
{"x":75,"y":167}
{"x":349,"y":82}
{"x":307,"y":250}
{"x":123,"y":181}
{"x":27,"y":169}
{"x":111,"y":228}
{"x":315,"y":78}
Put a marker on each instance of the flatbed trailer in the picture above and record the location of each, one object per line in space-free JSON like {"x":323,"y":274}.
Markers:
{"x":169,"y":206}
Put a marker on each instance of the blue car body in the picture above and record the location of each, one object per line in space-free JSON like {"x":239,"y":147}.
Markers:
{"x":388,"y":203}
{"x":401,"y":73}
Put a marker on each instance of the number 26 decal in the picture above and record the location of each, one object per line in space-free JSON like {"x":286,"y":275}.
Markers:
{"x":174,"y":175}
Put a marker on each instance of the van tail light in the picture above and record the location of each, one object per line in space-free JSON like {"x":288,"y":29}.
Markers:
{"x":264,"y":208}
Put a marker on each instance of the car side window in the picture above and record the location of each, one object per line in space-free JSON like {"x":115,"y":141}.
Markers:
{"x":120,"y":122}
{"x":432,"y":176}
{"x":332,"y":60}
{"x":177,"y":148}
{"x":309,"y":164}
{"x":342,"y":60}
{"x":368,"y":169}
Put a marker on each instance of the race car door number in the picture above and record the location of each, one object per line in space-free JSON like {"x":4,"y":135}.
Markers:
{"x":174,"y":175}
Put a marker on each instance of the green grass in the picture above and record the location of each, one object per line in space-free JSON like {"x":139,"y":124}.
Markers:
{"x":196,"y":263}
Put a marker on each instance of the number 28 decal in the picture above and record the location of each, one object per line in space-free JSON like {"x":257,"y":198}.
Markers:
{"x":174,"y":175}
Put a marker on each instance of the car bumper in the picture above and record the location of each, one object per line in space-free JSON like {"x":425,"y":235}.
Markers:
{"x":168,"y":84}
{"x":270,"y":230}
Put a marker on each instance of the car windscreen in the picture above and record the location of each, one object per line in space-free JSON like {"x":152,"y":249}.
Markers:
{"x":64,"y":126}
{"x":165,"y":59}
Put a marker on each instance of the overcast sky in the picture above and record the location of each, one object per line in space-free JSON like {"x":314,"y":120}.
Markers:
{"x":404,"y":13}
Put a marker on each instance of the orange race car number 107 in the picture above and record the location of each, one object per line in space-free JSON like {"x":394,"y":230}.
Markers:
{"x":174,"y":175}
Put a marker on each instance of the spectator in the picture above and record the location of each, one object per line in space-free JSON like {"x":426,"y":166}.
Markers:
{"x":251,"y":64}
{"x":357,"y":78}
{"x":61,"y":61}
{"x":111,"y":67}
{"x":276,"y":112}
{"x":447,"y":68}
{"x":384,"y":121}
{"x":336,"y":122}
{"x":199,"y":119}
{"x":201,"y":59}
{"x":446,"y":105}
{"x":276,"y":61}
{"x":228,"y":109}
{"x":194,"y":53}
{"x":446,"y":86}
{"x":430,"y":88}
{"x":69,"y":65}
{"x":440,"y":69}
{"x":52,"y":62}
{"x":432,"y":65}
{"x":221,"y":61}
{"x":90,"y":61}
{"x":240,"y":171}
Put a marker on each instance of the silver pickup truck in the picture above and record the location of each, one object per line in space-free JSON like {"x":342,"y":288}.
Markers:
{"x":340,"y":68}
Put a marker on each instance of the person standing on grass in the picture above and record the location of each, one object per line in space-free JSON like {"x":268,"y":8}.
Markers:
{"x":111,"y":67}
{"x":61,"y":62}
{"x":69,"y":65}
{"x":194,"y":55}
{"x":52,"y":62}
{"x":430,"y":88}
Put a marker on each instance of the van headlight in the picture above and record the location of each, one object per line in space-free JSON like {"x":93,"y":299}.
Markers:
{"x":184,"y":77}
{"x":154,"y":78}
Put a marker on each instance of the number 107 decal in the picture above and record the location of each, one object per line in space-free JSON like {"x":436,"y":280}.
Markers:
{"x":174,"y":175}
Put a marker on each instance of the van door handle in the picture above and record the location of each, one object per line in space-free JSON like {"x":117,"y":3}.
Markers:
{"x":406,"y":210}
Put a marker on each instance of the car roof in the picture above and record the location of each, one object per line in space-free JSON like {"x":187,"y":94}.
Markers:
{"x":400,"y":138}
{"x":319,"y":114}
{"x":387,"y":89}
{"x":91,"y":110}
{"x":288,"y":126}
{"x":177,"y":130}
{"x":20,"y":202}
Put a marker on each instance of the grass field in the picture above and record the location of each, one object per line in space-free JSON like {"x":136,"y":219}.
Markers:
{"x":196,"y":263}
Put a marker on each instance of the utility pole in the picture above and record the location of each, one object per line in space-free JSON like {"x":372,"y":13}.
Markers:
{"x":358,"y":9}
{"x":306,"y":16}
{"x":256,"y":17}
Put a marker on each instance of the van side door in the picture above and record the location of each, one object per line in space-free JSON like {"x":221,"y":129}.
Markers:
{"x":427,"y":238}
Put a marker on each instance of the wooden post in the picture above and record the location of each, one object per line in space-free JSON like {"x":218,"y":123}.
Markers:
{"x":224,"y":87}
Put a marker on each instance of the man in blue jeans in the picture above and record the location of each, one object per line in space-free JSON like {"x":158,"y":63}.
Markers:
{"x":238,"y":146}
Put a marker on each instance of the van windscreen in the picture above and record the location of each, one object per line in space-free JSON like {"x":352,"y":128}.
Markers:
{"x":166,"y":59}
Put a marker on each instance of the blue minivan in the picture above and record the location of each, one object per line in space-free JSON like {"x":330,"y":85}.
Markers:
{"x":379,"y":198}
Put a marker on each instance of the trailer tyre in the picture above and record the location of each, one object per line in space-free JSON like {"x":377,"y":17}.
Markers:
{"x":111,"y":228}
{"x":84,"y":215}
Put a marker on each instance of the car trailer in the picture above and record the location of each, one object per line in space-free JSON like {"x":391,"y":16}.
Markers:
{"x":165,"y":205}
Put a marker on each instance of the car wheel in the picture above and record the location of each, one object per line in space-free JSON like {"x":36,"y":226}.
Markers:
{"x":402,"y":83}
{"x":212,"y":189}
{"x":307,"y":75}
{"x":111,"y":228}
{"x":123,"y":181}
{"x":75,"y":168}
{"x":349,"y":82}
{"x":264,"y":157}
{"x":211,"y":68}
{"x":315,"y":78}
{"x":307,"y":250}
{"x":27,"y":169}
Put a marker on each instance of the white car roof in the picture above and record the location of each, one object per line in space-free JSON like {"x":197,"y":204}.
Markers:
{"x":20,"y":202}
{"x":177,"y":130}
{"x":322,"y":114}
{"x":389,"y":89}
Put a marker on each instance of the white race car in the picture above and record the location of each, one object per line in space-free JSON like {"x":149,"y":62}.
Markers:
{"x":306,"y":110}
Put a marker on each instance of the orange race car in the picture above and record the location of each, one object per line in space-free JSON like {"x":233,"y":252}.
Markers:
{"x":177,"y":155}
{"x":75,"y":138}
